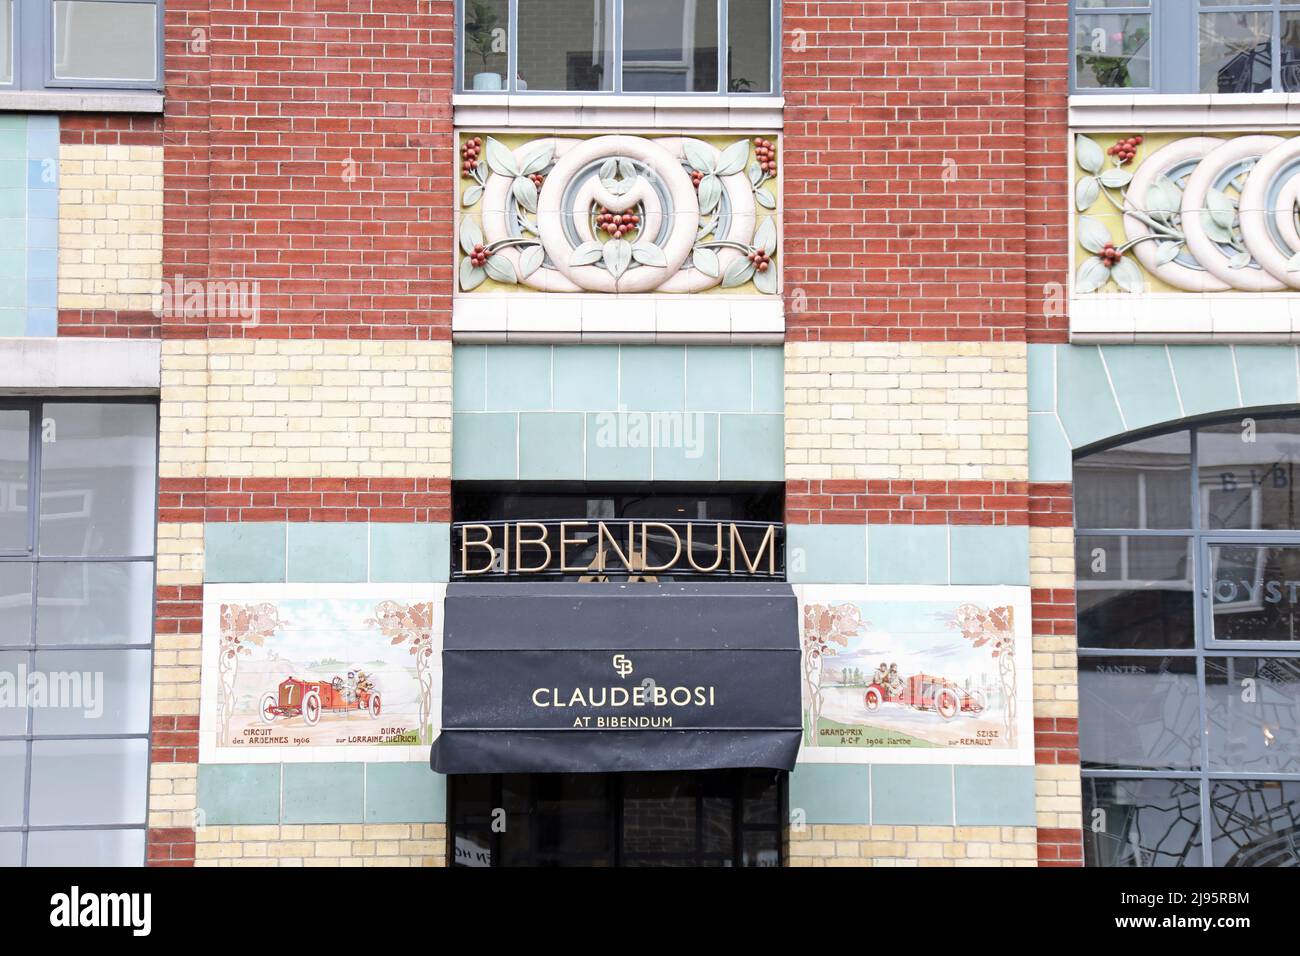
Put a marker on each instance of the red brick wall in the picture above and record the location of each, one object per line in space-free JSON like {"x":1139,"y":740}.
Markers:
{"x":309,"y":151}
{"x":1047,"y":170}
{"x":904,"y":164}
{"x":304,"y":499}
{"x":907,"y":502}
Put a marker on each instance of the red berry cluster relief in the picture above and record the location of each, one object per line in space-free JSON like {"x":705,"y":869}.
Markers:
{"x":697,"y":177}
{"x":1125,"y":149}
{"x":616,"y":224}
{"x":765,"y":152}
{"x":537,"y":179}
{"x":760,"y":259}
{"x":1110,"y":255}
{"x":469,"y":154}
{"x":480,"y":255}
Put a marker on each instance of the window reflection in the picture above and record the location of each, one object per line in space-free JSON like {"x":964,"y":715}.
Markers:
{"x":1247,"y":474}
{"x":1142,"y":823}
{"x":1236,"y":52}
{"x":1134,"y":592}
{"x":1139,"y":713}
{"x":1255,"y":591}
{"x":1143,"y":484}
{"x":1255,"y":823}
{"x":1253,"y":708}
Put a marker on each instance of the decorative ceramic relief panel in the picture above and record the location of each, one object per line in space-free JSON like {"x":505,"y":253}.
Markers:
{"x":1183,"y":212}
{"x":619,"y":214}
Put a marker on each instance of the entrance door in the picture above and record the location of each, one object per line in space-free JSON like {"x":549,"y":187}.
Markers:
{"x":701,"y":818}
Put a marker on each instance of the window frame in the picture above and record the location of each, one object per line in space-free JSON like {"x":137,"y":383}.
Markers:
{"x":33,"y":53}
{"x":33,"y":557}
{"x":1176,"y":28}
{"x":616,"y":59}
{"x":1203,"y":647}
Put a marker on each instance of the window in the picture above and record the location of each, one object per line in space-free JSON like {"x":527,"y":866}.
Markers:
{"x":1202,"y":46}
{"x":618,"y":46}
{"x":1188,"y":592}
{"x":77,"y":518}
{"x":704,"y":818}
{"x":81,"y":44}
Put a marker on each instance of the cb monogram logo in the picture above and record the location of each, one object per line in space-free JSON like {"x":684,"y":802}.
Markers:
{"x":622,"y":665}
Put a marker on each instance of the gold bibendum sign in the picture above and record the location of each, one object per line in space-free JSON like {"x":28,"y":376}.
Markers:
{"x":594,"y":549}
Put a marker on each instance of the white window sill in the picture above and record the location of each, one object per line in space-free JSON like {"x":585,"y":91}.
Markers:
{"x":60,"y":101}
{"x":615,"y":112}
{"x":1185,"y":318}
{"x":1175,"y":110}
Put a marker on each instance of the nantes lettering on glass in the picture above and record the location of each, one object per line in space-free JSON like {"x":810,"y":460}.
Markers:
{"x":614,"y":547}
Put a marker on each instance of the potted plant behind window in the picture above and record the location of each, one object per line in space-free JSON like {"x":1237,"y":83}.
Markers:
{"x":479,"y":34}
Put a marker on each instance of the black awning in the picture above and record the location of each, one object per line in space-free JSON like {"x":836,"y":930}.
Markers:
{"x":564,"y":678}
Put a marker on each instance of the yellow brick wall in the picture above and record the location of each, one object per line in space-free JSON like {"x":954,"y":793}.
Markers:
{"x":933,"y":411}
{"x":847,"y":845}
{"x":306,"y":409}
{"x":402,"y":844}
{"x":177,"y":657}
{"x":110,"y":226}
{"x":173,"y":794}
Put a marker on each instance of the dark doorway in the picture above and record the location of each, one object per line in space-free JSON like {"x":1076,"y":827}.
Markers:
{"x":701,"y":818}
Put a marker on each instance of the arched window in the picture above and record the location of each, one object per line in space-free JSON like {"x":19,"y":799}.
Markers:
{"x":1187,"y":557}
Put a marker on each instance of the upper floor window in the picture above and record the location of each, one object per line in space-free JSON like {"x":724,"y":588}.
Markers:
{"x":618,"y":46}
{"x":1203,"y":46}
{"x":80,"y":44}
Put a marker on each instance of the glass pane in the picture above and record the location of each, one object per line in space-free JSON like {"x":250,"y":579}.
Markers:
{"x":105,"y":41}
{"x":1256,"y":588}
{"x":566,"y":44}
{"x":1255,"y":823}
{"x":1139,"y":713}
{"x":11,"y":849}
{"x":91,"y":692}
{"x":1252,"y":706}
{"x":670,"y":46}
{"x":1141,"y":823}
{"x":95,"y":603}
{"x":1134,"y":592}
{"x":1290,"y":52}
{"x":1144,"y":484}
{"x":14,"y":666}
{"x":6,"y":41}
{"x":762,"y":797}
{"x":487,"y":31}
{"x":1112,"y":51}
{"x":557,"y":819}
{"x":81,"y":848}
{"x":98,"y":463}
{"x":15,"y":603}
{"x":15,"y":445}
{"x":749,"y":46}
{"x":13,"y":782}
{"x":1236,"y":52}
{"x":659,"y":813}
{"x":1248,"y":473}
{"x":761,"y":848}
{"x":87,"y":782}
{"x":471,"y":796}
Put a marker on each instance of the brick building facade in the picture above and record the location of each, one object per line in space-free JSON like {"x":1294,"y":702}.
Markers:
{"x":353,"y":254}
